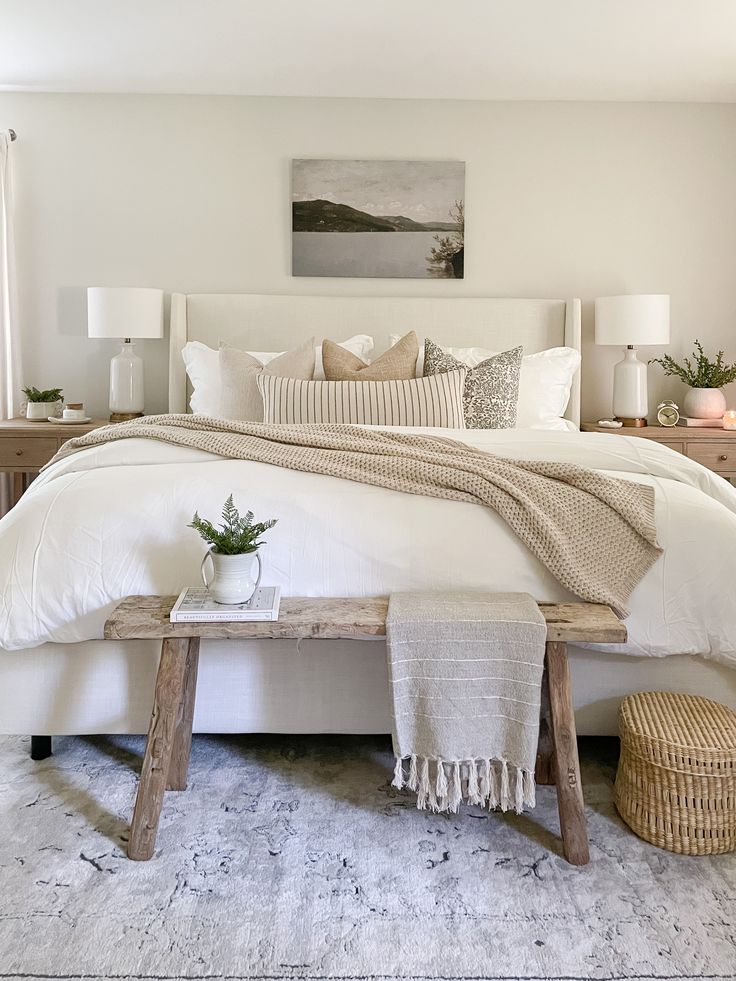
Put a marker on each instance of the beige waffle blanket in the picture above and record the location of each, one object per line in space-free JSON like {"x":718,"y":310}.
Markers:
{"x":594,"y":533}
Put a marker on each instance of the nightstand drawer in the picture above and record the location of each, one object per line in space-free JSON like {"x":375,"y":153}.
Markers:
{"x":714,"y":454}
{"x":31,"y":452}
{"x":677,"y":447}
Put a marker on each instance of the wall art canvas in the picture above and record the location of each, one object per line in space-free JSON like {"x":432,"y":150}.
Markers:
{"x":378,"y":218}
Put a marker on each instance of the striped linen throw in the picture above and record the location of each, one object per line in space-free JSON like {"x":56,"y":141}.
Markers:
{"x":466,"y":671}
{"x":433,"y":401}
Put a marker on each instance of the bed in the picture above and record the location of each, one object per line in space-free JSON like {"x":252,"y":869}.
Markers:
{"x":128,"y":504}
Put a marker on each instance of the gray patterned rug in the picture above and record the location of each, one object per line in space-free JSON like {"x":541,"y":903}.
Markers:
{"x":294,"y":858}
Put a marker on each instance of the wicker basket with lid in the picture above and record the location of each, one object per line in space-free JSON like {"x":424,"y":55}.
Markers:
{"x":676,"y":780}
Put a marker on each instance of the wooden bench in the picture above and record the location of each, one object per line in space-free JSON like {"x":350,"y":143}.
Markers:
{"x":166,"y":760}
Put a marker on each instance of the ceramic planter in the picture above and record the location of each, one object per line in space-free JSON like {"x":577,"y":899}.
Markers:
{"x":234,"y":577}
{"x":704,"y":403}
{"x":40,"y":411}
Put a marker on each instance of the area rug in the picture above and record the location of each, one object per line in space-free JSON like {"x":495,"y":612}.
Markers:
{"x":294,"y":858}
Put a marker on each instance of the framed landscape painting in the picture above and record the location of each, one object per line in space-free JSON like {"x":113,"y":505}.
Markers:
{"x":378,"y":218}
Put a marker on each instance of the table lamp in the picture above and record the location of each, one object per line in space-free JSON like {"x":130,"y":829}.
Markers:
{"x":626,"y":321}
{"x":125,"y":312}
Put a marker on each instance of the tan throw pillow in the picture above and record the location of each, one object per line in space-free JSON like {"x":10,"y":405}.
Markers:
{"x":398,"y":363}
{"x":239,"y":371}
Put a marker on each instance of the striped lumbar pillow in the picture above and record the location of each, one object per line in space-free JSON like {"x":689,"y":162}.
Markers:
{"x":436,"y":400}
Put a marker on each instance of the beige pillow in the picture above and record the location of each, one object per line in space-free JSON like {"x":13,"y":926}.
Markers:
{"x":398,"y":363}
{"x":239,"y":371}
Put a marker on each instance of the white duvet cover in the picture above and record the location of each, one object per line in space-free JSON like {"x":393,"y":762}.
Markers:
{"x":112,"y":521}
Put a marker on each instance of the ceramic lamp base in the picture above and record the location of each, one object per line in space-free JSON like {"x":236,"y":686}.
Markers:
{"x":630,"y":389}
{"x":124,"y":416}
{"x":126,"y":382}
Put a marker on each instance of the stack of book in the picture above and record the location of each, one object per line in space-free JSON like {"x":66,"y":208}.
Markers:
{"x":195,"y":605}
{"x":700,"y":423}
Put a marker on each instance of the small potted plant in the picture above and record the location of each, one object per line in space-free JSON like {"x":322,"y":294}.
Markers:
{"x":42,"y":403}
{"x":705,"y":378}
{"x":233,"y":552}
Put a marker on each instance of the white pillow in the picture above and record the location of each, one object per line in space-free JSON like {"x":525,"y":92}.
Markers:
{"x":545,"y":383}
{"x":203,"y":368}
{"x":202,"y":364}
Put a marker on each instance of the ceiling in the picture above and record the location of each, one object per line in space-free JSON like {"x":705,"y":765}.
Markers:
{"x":642,"y":50}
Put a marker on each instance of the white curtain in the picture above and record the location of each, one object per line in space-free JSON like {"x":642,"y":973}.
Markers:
{"x":9,"y":331}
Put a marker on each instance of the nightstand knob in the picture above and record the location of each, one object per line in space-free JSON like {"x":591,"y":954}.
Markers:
{"x":723,"y":456}
{"x":19,"y":452}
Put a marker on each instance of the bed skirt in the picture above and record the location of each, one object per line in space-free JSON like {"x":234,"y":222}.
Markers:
{"x":271,"y":686}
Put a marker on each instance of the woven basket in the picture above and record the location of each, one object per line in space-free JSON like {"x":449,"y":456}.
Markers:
{"x":676,"y":780}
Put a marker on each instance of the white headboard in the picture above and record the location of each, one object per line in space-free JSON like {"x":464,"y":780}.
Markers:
{"x":267,"y":322}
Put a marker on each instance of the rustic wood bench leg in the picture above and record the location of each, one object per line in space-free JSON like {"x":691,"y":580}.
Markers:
{"x":179,"y":765}
{"x":167,"y":702}
{"x":544,"y":772}
{"x":567,"y":765}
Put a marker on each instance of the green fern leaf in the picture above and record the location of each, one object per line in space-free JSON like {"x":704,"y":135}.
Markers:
{"x":237,"y":535}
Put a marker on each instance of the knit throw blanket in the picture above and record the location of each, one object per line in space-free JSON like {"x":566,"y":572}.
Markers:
{"x":595,"y":534}
{"x":465,"y":671}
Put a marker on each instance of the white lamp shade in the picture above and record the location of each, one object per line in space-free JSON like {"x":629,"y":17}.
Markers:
{"x":125,"y":312}
{"x":636,"y":319}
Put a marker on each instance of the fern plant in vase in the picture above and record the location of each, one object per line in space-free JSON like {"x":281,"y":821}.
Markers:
{"x":42,"y":403}
{"x":705,"y":379}
{"x":233,"y":553}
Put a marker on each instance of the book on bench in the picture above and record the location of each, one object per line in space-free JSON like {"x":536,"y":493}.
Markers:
{"x":195,"y":605}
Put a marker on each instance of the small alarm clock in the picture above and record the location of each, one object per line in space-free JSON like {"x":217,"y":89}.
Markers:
{"x":667,"y":413}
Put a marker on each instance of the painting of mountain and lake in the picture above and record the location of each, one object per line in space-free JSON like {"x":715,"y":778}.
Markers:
{"x":378,"y":218}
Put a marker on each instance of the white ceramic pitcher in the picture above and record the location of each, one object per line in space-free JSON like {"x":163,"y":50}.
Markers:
{"x":233,"y":578}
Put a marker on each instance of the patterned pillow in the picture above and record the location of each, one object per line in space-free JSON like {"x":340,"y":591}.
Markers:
{"x":435,"y":401}
{"x":491,"y":388}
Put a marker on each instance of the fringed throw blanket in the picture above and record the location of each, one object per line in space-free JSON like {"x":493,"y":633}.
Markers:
{"x":465,"y":671}
{"x":594,"y":533}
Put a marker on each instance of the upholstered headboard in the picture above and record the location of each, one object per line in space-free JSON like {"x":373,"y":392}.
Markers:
{"x":267,"y":322}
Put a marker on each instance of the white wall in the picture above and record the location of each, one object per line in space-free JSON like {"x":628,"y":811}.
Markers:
{"x":192,"y":193}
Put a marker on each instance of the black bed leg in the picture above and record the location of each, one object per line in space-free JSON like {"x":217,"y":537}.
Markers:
{"x":40,"y":747}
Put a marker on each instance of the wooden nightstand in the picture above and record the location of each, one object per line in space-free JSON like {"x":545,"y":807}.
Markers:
{"x":26,"y":446}
{"x":714,"y":448}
